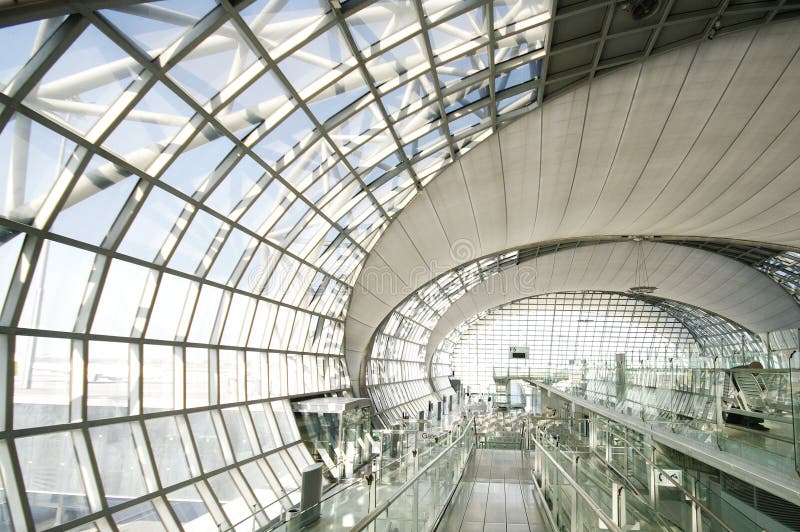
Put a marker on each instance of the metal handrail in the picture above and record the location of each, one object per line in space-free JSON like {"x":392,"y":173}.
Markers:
{"x":330,"y":492}
{"x":666,"y":475}
{"x":364,"y":522}
{"x":578,"y":490}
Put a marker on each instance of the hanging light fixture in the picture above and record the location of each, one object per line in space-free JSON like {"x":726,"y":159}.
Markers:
{"x":641,"y":282}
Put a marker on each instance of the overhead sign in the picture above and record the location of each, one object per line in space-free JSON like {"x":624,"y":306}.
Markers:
{"x":518,"y":352}
{"x":676,"y":474}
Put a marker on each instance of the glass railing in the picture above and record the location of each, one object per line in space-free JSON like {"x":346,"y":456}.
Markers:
{"x":667,"y":484}
{"x":403,"y":453}
{"x":420,"y":502}
{"x":750,"y":412}
{"x":634,"y":490}
{"x":570,"y":504}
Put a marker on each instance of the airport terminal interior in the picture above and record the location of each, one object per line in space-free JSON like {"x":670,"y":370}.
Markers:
{"x":400,"y":265}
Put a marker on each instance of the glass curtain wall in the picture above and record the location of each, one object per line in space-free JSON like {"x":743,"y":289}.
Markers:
{"x":397,"y":377}
{"x":576,"y":329}
{"x":188,"y":192}
{"x":784,"y":269}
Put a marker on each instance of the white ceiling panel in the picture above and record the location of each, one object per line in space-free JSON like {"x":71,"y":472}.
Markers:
{"x":701,"y":142}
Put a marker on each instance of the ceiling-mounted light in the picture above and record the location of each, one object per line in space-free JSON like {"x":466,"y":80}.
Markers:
{"x":641,"y":281}
{"x":640,"y":9}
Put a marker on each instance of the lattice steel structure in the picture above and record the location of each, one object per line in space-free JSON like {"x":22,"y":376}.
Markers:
{"x":784,"y":269}
{"x":192,"y":188}
{"x":575,"y":329}
{"x":396,"y":375}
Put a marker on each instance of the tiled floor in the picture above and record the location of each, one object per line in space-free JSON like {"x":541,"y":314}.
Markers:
{"x":496,"y":494}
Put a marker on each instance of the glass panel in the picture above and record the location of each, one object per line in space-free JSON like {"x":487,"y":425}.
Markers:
{"x":26,"y":39}
{"x":221,"y":58}
{"x":142,"y":516}
{"x":207,"y":441}
{"x":41,"y":381}
{"x":197,"y":377}
{"x":99,"y":196}
{"x":149,"y":126}
{"x":168,"y":450}
{"x":32,"y":158}
{"x":229,"y":496}
{"x":191,"y":510}
{"x":124,"y":290}
{"x":52,"y":477}
{"x":152,"y":225}
{"x":237,"y":432}
{"x":81,"y":104}
{"x":173,"y":301}
{"x":118,"y":462}
{"x":56,"y":292}
{"x":107,"y":377}
{"x":266,"y":428}
{"x":154,"y":27}
{"x":162,"y":365}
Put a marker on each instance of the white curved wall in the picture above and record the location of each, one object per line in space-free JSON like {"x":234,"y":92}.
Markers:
{"x":700,"y":278}
{"x":702,"y":141}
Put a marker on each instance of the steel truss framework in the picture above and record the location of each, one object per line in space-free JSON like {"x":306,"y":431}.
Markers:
{"x":562,"y":330}
{"x":400,"y":380}
{"x":568,"y":329}
{"x":192,"y":190}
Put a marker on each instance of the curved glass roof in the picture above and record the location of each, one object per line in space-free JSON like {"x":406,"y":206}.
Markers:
{"x":562,"y":330}
{"x":396,"y":376}
{"x":399,"y":379}
{"x":573,"y":328}
{"x":188,"y":191}
{"x":340,"y":117}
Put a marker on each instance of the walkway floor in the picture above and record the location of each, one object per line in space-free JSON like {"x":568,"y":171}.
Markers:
{"x":495,"y":495}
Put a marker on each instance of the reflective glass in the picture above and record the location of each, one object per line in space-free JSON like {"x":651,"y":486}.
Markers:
{"x":51,"y":472}
{"x":198,"y":235}
{"x":117,"y":462}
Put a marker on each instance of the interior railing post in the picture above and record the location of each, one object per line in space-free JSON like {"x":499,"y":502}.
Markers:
{"x":650,"y":459}
{"x":573,"y":516}
{"x":697,"y":512}
{"x":794,"y":369}
{"x":618,"y":504}
{"x":415,"y":508}
{"x":719,"y":385}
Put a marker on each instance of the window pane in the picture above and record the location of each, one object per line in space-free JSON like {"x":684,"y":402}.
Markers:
{"x":207,"y":441}
{"x":52,"y":478}
{"x":118,"y":462}
{"x":41,"y":381}
{"x":160,"y":363}
{"x":142,"y":516}
{"x":240,"y":440}
{"x":168,"y":450}
{"x":191,"y":511}
{"x":108,"y":379}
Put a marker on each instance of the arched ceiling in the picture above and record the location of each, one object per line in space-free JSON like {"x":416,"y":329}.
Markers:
{"x":202,"y":180}
{"x":699,"y":278}
{"x":594,"y":324}
{"x":702,"y":141}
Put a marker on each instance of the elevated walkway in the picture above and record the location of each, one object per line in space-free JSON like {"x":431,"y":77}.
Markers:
{"x":495,"y":495}
{"x":743,"y":457}
{"x":593,"y":467}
